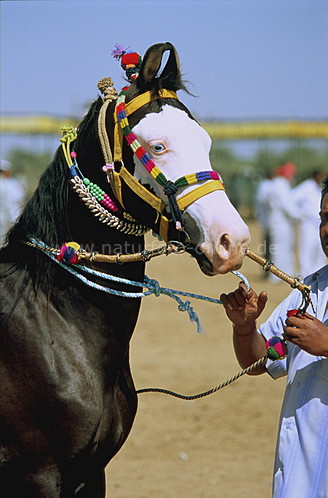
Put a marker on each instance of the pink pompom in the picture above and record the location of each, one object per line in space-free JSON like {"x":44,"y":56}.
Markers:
{"x":69,"y":253}
{"x":108,"y":167}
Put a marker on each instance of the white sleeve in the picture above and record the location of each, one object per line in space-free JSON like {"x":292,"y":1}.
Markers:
{"x":273,"y":327}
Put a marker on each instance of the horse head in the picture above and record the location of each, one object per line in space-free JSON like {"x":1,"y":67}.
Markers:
{"x":175,"y":147}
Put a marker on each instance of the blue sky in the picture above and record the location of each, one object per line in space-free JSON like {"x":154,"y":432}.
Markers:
{"x":257,"y":59}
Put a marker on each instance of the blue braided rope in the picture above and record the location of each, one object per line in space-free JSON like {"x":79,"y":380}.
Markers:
{"x":152,"y":285}
{"x":153,"y":288}
{"x":243,"y":278}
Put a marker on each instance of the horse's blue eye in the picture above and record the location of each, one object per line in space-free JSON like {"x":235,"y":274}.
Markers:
{"x":158,"y":147}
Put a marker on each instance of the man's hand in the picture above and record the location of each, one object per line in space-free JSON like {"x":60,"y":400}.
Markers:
{"x":243,"y":307}
{"x":308,"y":333}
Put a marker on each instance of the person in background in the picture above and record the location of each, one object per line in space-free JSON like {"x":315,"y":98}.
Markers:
{"x":12,"y":197}
{"x":282,"y":214}
{"x":262,"y":207}
{"x":307,"y":196}
{"x":301,"y":462}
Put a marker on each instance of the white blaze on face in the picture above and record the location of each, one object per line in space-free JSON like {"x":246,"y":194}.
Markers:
{"x":179,"y":146}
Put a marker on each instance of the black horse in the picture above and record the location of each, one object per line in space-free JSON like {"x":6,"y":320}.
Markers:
{"x":67,"y":398}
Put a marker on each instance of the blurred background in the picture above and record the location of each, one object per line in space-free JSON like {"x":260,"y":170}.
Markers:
{"x":258,"y":72}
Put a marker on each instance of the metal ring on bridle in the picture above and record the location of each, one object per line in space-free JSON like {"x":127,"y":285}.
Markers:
{"x":187,"y":241}
{"x":177,"y":247}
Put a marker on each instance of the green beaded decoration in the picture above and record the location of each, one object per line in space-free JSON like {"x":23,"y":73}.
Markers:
{"x":95,"y":191}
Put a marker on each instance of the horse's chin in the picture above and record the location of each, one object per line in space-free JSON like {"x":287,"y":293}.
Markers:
{"x":206,"y":266}
{"x":203,"y":262}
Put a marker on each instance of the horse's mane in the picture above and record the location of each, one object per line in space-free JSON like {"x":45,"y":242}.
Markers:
{"x":87,"y":124}
{"x":45,"y":215}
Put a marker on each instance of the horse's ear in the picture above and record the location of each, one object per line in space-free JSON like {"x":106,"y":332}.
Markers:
{"x":152,"y":74}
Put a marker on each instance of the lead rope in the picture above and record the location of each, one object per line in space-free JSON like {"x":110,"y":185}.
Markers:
{"x":276,"y":350}
{"x":276,"y":347}
{"x":210,"y":391}
{"x":67,"y":257}
{"x":295,"y":283}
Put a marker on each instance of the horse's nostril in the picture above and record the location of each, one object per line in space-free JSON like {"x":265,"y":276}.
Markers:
{"x":224,"y":241}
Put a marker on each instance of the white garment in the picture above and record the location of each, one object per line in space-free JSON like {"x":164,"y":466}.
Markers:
{"x":262,"y":206}
{"x":282,"y":214}
{"x":307,"y":196}
{"x":301,"y":462}
{"x":11,"y":201}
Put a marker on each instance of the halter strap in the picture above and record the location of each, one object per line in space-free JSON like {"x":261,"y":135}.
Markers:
{"x":130,"y":108}
{"x":187,"y":199}
{"x":154,"y":201}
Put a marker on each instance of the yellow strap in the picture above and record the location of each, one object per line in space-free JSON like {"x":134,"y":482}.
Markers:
{"x":164,"y":228}
{"x":117,"y":187}
{"x":145,"y":98}
{"x":130,"y":108}
{"x":155,"y":202}
{"x":118,"y":143}
{"x":197,"y":193}
{"x":188,"y":199}
{"x":141,"y":191}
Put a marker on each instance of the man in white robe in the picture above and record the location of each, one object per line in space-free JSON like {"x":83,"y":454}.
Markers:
{"x":282,"y":215}
{"x":262,"y":208}
{"x":307,"y":196}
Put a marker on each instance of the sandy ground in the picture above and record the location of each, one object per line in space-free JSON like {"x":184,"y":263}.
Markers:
{"x":218,"y":446}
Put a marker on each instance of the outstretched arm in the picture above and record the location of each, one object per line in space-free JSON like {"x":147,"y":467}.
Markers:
{"x":243,"y":308}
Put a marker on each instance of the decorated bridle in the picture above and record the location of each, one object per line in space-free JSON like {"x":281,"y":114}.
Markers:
{"x":177,"y":206}
{"x":97,"y":200}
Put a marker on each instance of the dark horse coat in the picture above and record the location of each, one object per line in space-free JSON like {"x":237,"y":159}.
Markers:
{"x":67,"y":398}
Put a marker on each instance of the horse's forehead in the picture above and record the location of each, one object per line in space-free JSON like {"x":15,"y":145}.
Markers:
{"x":170,"y":123}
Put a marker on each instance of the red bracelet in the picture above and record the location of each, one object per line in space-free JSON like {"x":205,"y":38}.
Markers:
{"x":246,"y":335}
